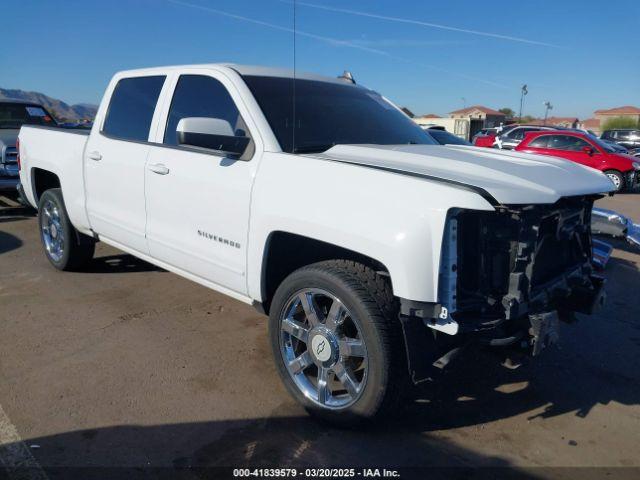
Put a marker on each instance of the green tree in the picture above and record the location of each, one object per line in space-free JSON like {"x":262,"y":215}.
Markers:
{"x":508,"y":112}
{"x":620,"y":122}
{"x":527,"y":119}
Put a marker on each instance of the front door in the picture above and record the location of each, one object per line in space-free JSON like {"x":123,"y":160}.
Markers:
{"x":573,"y":148}
{"x":198,"y":200}
{"x":115,"y":162}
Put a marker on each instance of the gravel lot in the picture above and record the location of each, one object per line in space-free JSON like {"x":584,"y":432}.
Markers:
{"x":129,"y":365}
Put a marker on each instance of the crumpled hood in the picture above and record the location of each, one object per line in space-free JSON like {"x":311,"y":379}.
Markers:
{"x":8,"y":136}
{"x":509,"y":177}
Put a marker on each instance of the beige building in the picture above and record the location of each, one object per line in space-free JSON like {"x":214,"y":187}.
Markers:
{"x":565,"y":122}
{"x":592,"y":124}
{"x":628,"y":111}
{"x":479,"y":117}
{"x":457,"y":126}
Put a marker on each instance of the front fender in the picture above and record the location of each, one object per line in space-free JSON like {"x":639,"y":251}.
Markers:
{"x":395,"y":219}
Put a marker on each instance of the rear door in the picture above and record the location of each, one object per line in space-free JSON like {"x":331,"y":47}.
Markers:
{"x":115,"y":159}
{"x":198,"y":200}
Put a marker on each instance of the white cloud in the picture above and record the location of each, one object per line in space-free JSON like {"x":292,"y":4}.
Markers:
{"x":421,"y":23}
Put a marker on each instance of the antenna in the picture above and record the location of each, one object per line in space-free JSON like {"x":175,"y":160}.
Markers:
{"x":347,"y":77}
{"x":293,"y":139}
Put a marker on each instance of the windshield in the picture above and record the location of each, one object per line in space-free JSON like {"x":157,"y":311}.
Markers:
{"x":328,"y":114}
{"x":445,"y":138}
{"x":14,"y":115}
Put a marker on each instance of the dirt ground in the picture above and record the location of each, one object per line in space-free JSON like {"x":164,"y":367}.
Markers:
{"x":126,"y":365}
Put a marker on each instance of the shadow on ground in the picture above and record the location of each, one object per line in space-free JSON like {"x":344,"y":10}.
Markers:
{"x":121,"y":263}
{"x":8,"y":242}
{"x":597,"y":363}
{"x":214,"y":449}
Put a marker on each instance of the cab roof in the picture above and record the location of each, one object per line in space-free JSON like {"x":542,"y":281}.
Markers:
{"x":248,"y":70}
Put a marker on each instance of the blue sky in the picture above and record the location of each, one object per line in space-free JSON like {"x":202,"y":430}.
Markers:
{"x":432,"y":56}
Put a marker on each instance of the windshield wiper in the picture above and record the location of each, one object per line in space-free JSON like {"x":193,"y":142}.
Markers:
{"x":312,"y":148}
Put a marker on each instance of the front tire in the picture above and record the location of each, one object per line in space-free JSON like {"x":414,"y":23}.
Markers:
{"x":617,"y":178}
{"x":337,"y":341}
{"x":65,"y":247}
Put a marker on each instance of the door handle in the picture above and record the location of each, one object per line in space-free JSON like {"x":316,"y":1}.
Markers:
{"x":159,"y":168}
{"x":95,"y":156}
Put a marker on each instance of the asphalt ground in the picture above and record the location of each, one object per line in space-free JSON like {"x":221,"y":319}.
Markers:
{"x":125,"y":370}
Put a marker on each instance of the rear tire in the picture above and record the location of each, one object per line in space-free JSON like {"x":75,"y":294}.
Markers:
{"x":617,"y":178}
{"x":65,"y":247}
{"x":363,"y":358}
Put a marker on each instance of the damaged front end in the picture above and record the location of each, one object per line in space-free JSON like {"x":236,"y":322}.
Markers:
{"x":507,"y":278}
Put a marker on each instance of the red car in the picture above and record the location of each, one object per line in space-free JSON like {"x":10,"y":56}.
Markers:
{"x":622,"y":169}
{"x":485,"y":137}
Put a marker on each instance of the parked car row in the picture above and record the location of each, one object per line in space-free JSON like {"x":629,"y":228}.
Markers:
{"x":609,"y":154}
{"x":626,"y":137}
{"x":585,"y":149}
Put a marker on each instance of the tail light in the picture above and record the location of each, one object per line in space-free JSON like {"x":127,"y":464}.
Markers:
{"x":18,"y":153}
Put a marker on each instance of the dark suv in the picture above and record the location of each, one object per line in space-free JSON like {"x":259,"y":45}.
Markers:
{"x":627,"y":137}
{"x":14,"y":114}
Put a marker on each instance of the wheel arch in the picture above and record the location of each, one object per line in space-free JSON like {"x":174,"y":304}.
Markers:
{"x":43,"y":180}
{"x":285,"y":252}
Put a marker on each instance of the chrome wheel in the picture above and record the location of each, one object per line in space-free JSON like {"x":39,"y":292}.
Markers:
{"x":323,"y":349}
{"x":615,"y":179}
{"x":52,"y":231}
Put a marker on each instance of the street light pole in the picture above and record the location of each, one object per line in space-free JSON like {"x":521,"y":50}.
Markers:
{"x":523,"y":92}
{"x":547,"y":107}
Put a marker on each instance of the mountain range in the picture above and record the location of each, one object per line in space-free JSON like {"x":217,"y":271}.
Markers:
{"x":59,"y":109}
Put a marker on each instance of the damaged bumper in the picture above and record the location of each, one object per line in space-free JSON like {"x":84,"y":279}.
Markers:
{"x":608,"y":222}
{"x":507,"y":278}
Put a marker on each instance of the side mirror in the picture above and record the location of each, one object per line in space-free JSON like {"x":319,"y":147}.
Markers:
{"x":588,"y":150}
{"x":212,"y":134}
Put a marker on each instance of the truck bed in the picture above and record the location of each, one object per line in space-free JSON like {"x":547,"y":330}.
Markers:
{"x":59,"y":151}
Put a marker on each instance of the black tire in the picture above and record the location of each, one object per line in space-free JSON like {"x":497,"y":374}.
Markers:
{"x":369,"y":299}
{"x":619,"y":183}
{"x":78,"y":249}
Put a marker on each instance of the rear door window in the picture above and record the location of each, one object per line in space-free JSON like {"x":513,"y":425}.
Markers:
{"x":540,"y":142}
{"x":519,"y":133}
{"x":131,"y":108}
{"x":567,"y":142}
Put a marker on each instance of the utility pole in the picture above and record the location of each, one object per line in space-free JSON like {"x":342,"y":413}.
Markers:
{"x":523,"y":92}
{"x":547,"y":107}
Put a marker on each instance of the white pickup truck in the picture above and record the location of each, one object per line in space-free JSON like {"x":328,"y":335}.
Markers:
{"x":376,"y":254}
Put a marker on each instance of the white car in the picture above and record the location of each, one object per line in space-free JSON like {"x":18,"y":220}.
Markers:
{"x":375,"y":252}
{"x":512,"y":137}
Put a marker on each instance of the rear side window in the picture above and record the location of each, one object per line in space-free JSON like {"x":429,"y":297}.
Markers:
{"x":567,"y":142}
{"x":201,"y":96}
{"x":519,"y":133}
{"x":131,"y":108}
{"x":540,"y":142}
{"x":622,"y":134}
{"x":14,"y":115}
